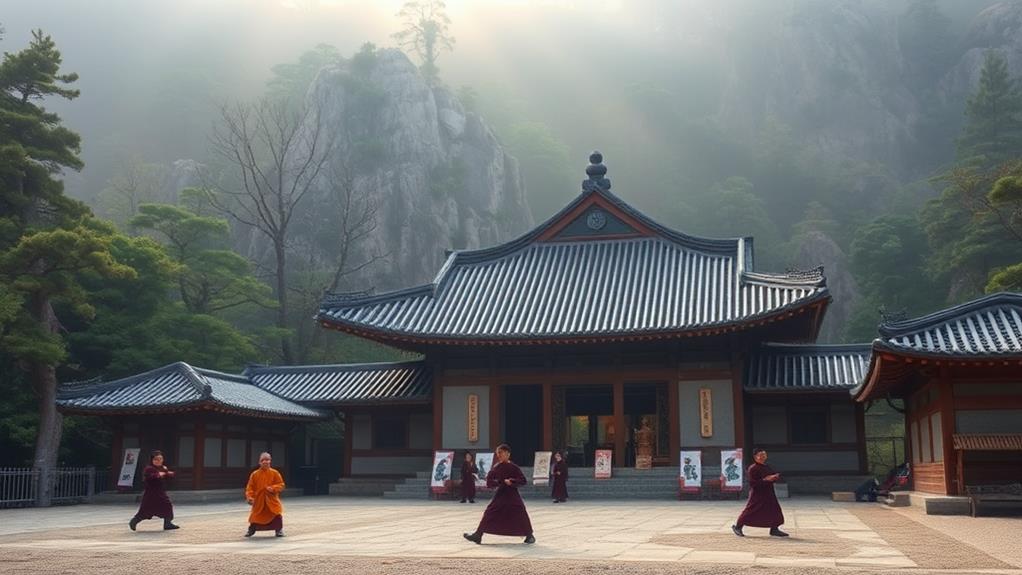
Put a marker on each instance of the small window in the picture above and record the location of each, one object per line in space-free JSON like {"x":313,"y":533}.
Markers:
{"x":236,"y":452}
{"x":390,"y":432}
{"x":212,"y":448}
{"x":809,"y":426}
{"x":185,"y":451}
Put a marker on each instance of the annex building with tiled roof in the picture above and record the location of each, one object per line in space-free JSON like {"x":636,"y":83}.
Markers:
{"x":570,"y":338}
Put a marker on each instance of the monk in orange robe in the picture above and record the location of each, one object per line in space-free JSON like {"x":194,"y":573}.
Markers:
{"x":263,"y":494}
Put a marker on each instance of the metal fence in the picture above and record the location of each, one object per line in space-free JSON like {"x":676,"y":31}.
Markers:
{"x":22,"y":487}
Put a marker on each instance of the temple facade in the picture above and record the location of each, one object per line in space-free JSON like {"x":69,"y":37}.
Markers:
{"x":597,"y":327}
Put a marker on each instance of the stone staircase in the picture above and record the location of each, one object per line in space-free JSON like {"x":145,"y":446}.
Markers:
{"x":365,"y":486}
{"x":626,"y":483}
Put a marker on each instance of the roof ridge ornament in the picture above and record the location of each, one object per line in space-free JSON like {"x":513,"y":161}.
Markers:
{"x":596,"y":172}
{"x":892,"y":316}
{"x":338,"y":298}
{"x":814,"y":273}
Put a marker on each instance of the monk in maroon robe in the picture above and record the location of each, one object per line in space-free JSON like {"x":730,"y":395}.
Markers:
{"x":506,"y":514}
{"x":469,"y":472}
{"x":762,"y":510}
{"x":155,"y":501}
{"x":559,"y":493}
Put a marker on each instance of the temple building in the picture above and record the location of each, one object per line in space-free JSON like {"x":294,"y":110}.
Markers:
{"x":596,"y":324}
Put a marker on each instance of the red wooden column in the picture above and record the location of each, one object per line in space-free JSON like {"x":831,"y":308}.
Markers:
{"x":738,"y":398}
{"x":946,"y":404}
{"x":116,"y":454}
{"x":860,"y":436}
{"x":200,"y":454}
{"x":495,"y":438}
{"x":619,"y":423}
{"x":548,"y":415}
{"x":349,"y":432}
{"x":438,"y":413}
{"x":674,"y":411}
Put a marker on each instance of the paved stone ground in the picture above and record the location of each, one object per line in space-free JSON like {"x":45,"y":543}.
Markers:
{"x":379,"y":536}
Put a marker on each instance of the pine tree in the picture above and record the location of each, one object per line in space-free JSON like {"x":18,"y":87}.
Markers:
{"x":425,"y":32}
{"x":993,"y":130}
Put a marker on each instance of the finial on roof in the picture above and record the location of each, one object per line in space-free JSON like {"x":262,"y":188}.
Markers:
{"x":596,"y":172}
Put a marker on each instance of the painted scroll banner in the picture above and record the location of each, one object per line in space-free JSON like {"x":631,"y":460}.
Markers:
{"x":473,"y":418}
{"x":484,"y":462}
{"x":705,"y":412}
{"x":602,"y":466}
{"x":541,"y":468}
{"x":128,"y":465}
{"x":731,"y":470}
{"x":691,"y":472}
{"x":440,"y":478}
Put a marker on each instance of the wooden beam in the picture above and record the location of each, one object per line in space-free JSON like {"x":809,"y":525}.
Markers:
{"x":738,"y":399}
{"x":946,"y":401}
{"x":619,"y":423}
{"x":349,"y":432}
{"x":200,"y":454}
{"x":438,"y":413}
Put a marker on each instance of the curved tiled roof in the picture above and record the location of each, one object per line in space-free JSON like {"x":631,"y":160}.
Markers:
{"x":654,"y":281}
{"x":179,"y":386}
{"x":986,"y":327}
{"x":406,"y":382}
{"x":783,"y":367}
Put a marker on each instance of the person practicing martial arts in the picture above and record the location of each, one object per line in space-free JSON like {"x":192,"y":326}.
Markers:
{"x":506,"y":514}
{"x":263,"y":494}
{"x":762,"y":510}
{"x":155,"y":502}
{"x":469,"y":472}
{"x":559,"y":493}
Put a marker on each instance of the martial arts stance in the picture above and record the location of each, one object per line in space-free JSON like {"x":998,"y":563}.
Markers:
{"x":155,"y":501}
{"x":263,"y":494}
{"x":762,"y":510}
{"x":469,"y":472}
{"x":506,"y":514}
{"x":559,"y":493}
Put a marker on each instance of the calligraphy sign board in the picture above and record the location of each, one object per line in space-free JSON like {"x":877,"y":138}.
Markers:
{"x":473,"y":417}
{"x":731,"y":470}
{"x":484,"y":462}
{"x":128,"y":465}
{"x":603,"y":463}
{"x":440,"y":477}
{"x":691,"y":472}
{"x":541,"y":468}
{"x":706,"y":412}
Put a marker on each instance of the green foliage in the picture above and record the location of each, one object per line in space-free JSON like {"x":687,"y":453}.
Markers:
{"x":993,"y":130}
{"x":290,"y":81}
{"x":425,"y":31}
{"x":545,"y":167}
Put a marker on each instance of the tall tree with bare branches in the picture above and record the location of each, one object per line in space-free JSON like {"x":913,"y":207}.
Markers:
{"x":425,"y":32}
{"x":277,"y":152}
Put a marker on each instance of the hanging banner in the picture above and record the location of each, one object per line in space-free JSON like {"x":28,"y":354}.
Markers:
{"x":473,"y":417}
{"x":603,"y":463}
{"x":691,"y":477}
{"x":731,"y":470}
{"x":440,"y":479}
{"x":484,"y":462}
{"x":541,"y":468}
{"x":705,"y":412}
{"x":128,"y":465}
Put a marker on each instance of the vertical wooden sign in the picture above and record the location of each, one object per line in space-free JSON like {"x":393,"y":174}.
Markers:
{"x":705,"y":412}
{"x":473,"y":417}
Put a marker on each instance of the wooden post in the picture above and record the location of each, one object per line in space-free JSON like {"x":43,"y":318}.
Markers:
{"x":860,"y":437}
{"x":946,"y":403}
{"x":349,"y":432}
{"x":738,"y":399}
{"x":115,"y":461}
{"x":200,"y":454}
{"x":438,"y":413}
{"x":673,"y":409}
{"x":619,"y":423}
{"x":495,"y":435}
{"x":548,"y":416}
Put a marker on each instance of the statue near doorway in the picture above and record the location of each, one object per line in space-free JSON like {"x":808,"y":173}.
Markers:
{"x":644,"y":437}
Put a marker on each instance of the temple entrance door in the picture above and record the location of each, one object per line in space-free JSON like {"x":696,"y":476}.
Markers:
{"x":589,"y":422}
{"x":523,"y":421}
{"x":641,"y":404}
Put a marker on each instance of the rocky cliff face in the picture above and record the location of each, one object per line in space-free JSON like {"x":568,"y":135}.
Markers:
{"x":817,"y":248}
{"x":436,"y":172}
{"x":999,"y":27}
